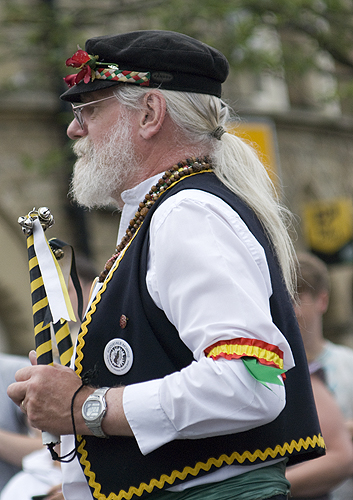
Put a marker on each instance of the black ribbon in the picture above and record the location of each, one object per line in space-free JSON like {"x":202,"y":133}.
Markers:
{"x":56,"y":244}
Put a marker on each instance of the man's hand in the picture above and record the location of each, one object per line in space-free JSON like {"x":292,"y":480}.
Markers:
{"x":45,"y":394}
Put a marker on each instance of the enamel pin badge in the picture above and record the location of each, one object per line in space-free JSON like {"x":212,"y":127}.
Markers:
{"x":118,"y":356}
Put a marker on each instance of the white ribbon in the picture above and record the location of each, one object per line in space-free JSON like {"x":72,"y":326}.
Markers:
{"x":58,"y":297}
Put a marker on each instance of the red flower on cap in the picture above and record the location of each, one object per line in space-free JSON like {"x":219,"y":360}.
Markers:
{"x":83,"y":61}
{"x":70,"y":80}
{"x":78,"y":59}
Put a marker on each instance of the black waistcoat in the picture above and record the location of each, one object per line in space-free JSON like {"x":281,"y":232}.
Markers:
{"x":115,"y":467}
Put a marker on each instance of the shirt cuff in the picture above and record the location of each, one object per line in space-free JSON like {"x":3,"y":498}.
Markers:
{"x":147,"y":419}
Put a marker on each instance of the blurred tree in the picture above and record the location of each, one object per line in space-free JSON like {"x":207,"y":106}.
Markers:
{"x":307,"y":29}
{"x":231,"y":25}
{"x":255,"y":35}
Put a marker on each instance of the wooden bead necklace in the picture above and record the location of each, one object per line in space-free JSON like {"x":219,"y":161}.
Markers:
{"x":171,"y":176}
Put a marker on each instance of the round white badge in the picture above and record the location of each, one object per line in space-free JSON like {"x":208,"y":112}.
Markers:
{"x":118,"y":356}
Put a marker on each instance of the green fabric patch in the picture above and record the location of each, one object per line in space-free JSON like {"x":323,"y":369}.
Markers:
{"x":263,"y":373}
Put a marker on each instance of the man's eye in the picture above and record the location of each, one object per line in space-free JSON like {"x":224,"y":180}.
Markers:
{"x":91,"y":108}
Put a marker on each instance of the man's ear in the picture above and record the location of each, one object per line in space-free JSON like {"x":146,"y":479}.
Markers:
{"x":152,"y":114}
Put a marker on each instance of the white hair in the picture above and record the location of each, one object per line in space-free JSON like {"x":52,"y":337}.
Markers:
{"x":234,"y":162}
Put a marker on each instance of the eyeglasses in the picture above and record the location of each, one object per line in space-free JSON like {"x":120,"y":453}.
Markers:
{"x":77,"y":110}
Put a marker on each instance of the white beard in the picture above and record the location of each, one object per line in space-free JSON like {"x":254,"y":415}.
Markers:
{"x":101,"y":173}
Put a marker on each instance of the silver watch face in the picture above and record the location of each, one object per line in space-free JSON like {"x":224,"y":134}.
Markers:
{"x":92,"y":409}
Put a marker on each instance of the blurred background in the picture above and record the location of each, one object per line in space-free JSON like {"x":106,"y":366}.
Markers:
{"x":292,"y":89}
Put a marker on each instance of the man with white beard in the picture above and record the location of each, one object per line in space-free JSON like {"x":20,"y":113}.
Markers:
{"x":184,"y":383}
{"x":106,"y":167}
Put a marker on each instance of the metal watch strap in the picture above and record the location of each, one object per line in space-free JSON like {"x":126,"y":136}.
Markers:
{"x":96,"y":427}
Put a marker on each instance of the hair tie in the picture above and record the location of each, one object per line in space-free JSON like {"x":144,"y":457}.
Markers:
{"x":218,"y":132}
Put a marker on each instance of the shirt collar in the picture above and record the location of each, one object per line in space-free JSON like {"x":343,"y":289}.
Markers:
{"x":131,"y":198}
{"x":134,"y":195}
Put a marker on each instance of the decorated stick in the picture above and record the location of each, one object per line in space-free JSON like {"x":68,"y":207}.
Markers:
{"x":50,"y":300}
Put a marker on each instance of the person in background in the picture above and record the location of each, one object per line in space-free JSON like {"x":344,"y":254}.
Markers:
{"x":40,"y":475}
{"x":16,"y":438}
{"x":335,"y":362}
{"x":316,"y":479}
{"x":182,"y":355}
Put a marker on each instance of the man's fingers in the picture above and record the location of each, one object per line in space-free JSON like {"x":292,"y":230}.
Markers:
{"x":17,"y":392}
{"x":33,"y":357}
{"x":23,"y":374}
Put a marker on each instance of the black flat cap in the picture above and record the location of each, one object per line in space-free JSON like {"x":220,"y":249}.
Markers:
{"x":163,"y":59}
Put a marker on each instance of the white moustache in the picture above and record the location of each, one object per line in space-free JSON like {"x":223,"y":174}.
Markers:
{"x":83,"y":147}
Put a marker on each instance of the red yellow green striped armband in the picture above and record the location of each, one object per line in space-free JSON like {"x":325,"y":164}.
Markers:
{"x":263,"y":361}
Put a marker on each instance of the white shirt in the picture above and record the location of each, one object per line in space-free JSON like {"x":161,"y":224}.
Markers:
{"x":210,"y":276}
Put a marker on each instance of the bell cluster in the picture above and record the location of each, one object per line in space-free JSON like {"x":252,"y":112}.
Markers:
{"x":44,"y":216}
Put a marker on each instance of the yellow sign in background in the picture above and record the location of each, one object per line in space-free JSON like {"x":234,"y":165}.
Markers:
{"x":262,"y":137}
{"x":328,"y":224}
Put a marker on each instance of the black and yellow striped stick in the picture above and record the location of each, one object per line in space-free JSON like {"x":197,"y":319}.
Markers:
{"x":40,"y":307}
{"x":42,"y":314}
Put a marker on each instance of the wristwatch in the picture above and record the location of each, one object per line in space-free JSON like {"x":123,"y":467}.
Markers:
{"x":93,"y":411}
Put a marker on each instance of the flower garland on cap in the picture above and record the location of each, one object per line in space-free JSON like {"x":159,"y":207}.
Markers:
{"x":170,"y":177}
{"x":92,"y":69}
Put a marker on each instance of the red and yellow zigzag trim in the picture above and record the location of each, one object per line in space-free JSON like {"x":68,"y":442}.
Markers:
{"x":313,"y":442}
{"x":266,"y":354}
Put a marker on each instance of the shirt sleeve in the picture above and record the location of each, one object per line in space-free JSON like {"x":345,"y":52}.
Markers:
{"x":209,"y":275}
